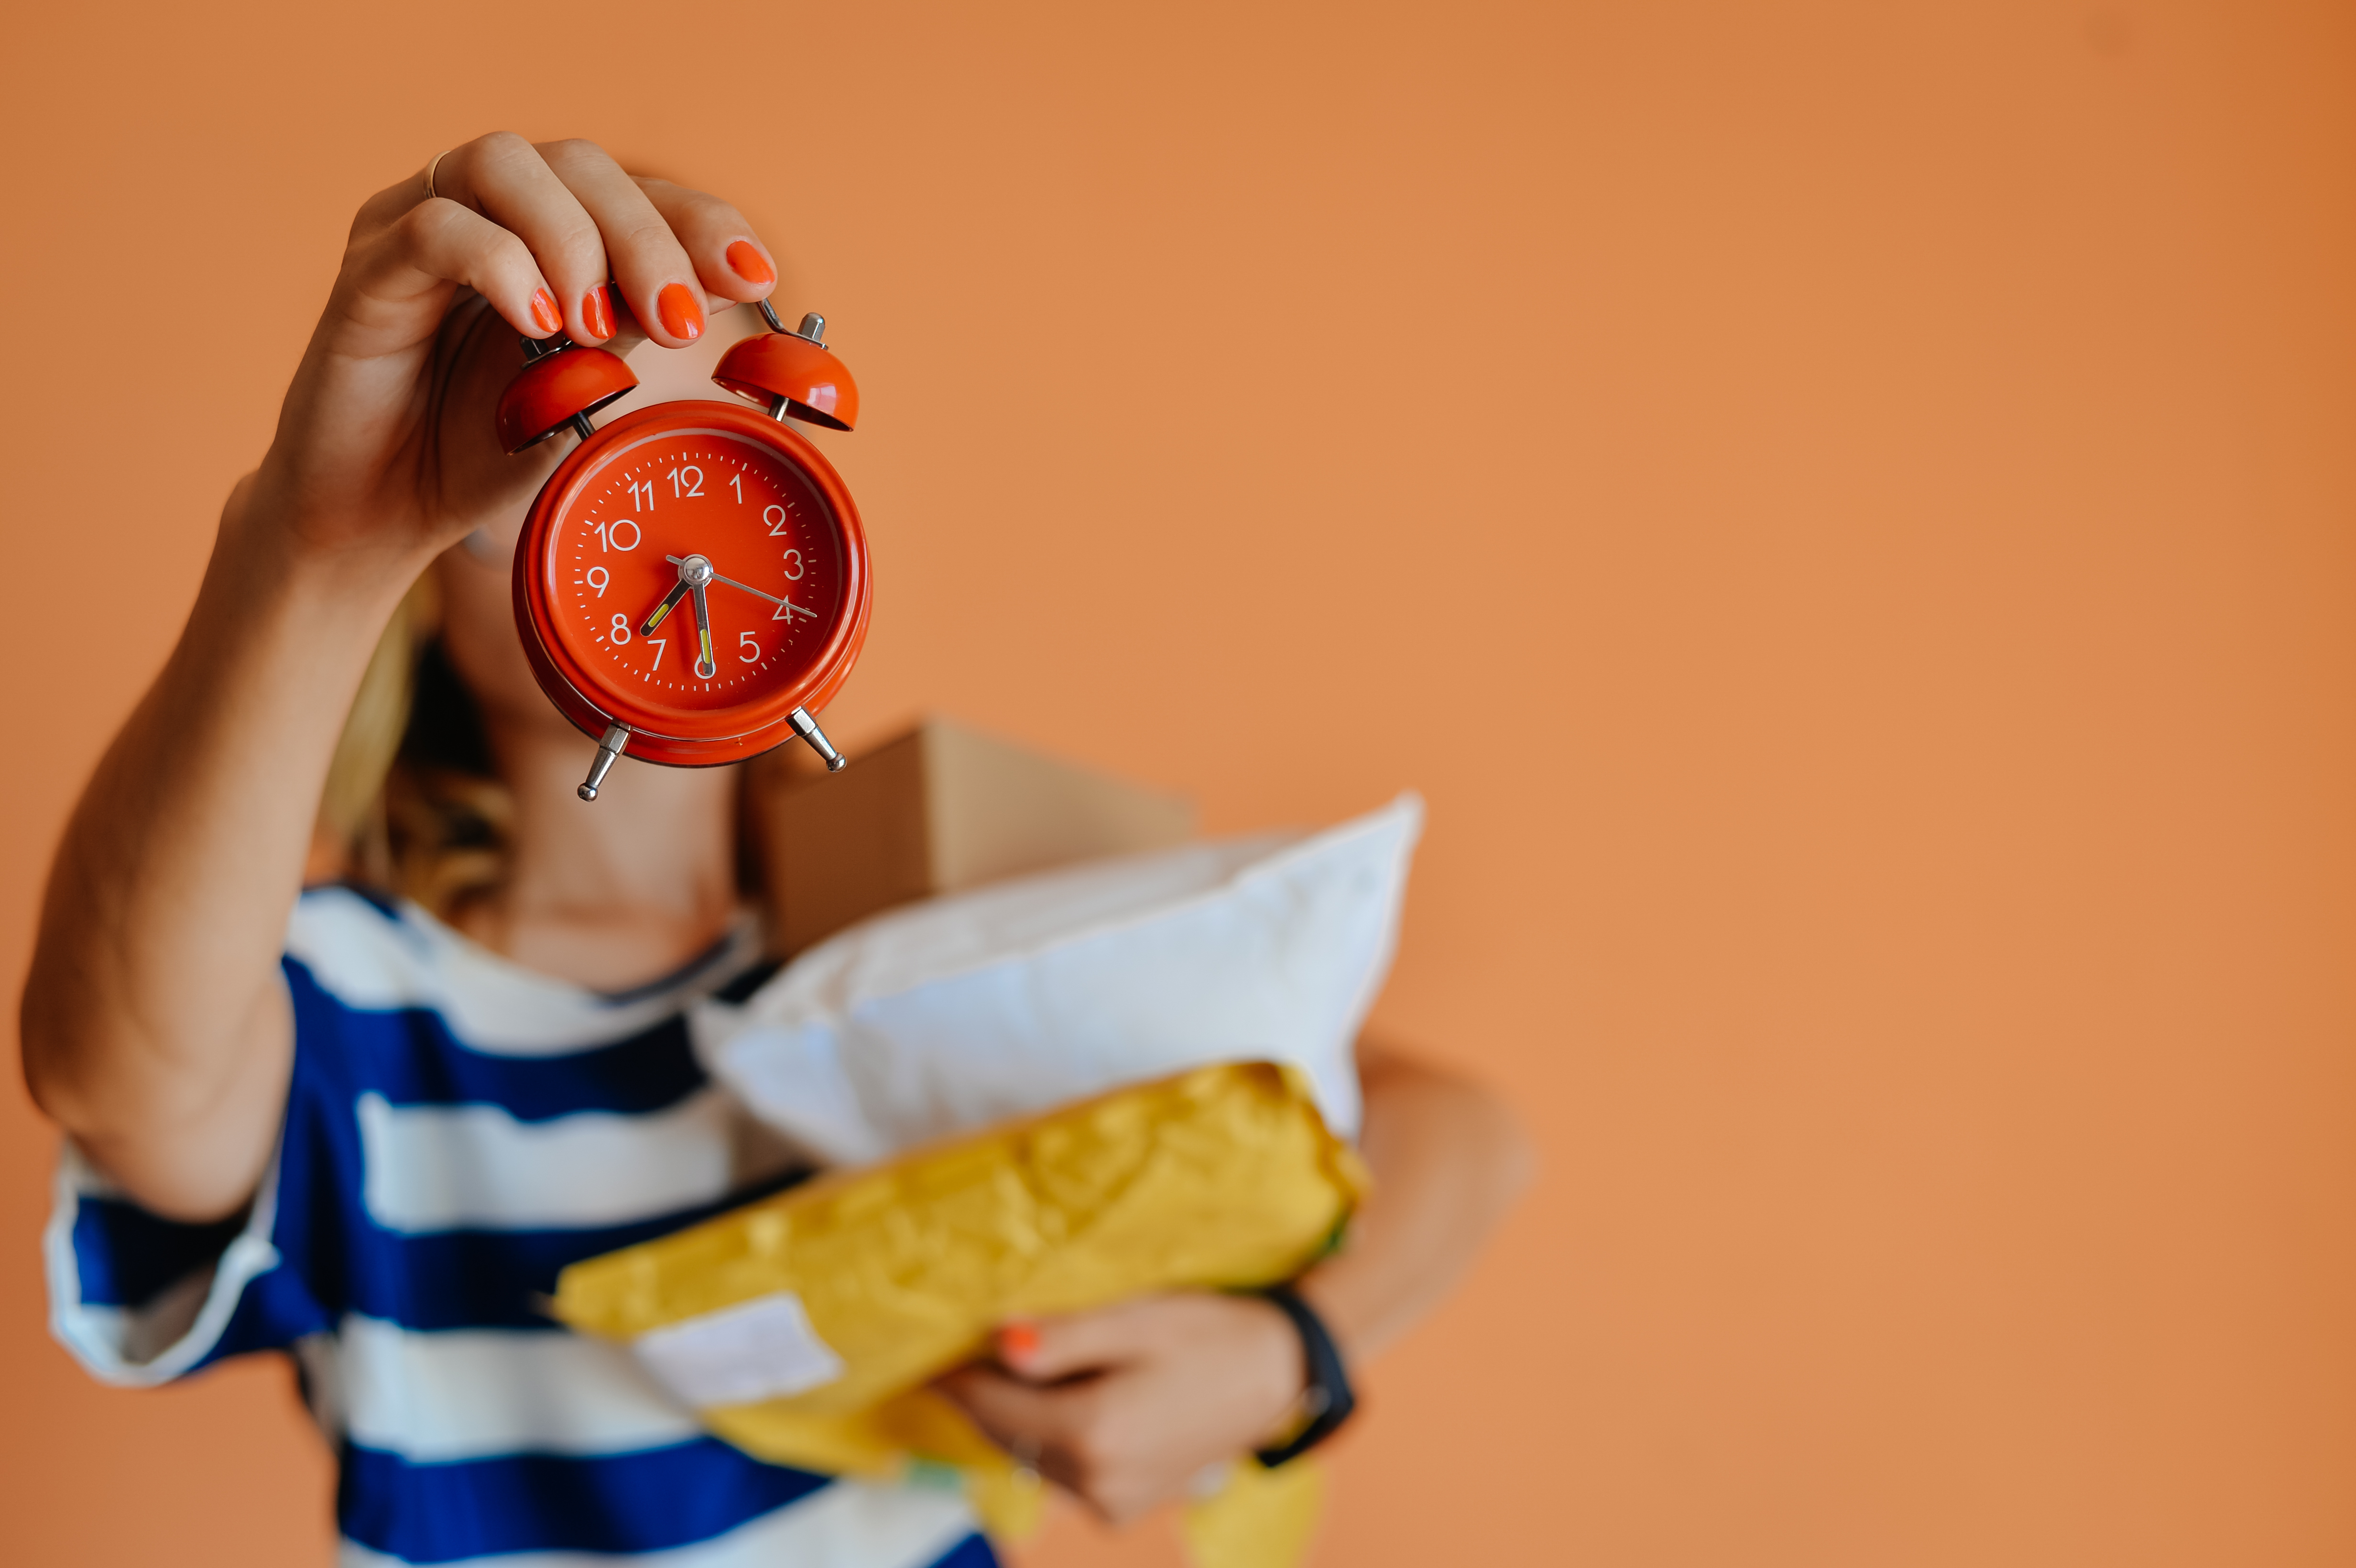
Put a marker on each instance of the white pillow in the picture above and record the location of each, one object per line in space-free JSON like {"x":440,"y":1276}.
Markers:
{"x":968,"y":1010}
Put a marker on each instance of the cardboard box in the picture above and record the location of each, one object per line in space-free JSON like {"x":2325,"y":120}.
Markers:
{"x":938,"y":809}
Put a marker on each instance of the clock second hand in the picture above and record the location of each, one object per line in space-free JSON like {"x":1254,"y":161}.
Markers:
{"x":748,"y":588}
{"x":731,"y":582}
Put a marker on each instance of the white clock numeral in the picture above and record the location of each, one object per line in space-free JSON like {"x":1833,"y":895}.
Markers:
{"x":647,"y":504}
{"x":736,"y":483}
{"x":747,"y":649}
{"x":599,"y":578}
{"x":787,"y":610}
{"x":621,"y":632}
{"x":687,"y":481}
{"x":610,"y":536}
{"x":662,"y":646}
{"x":776,"y":517}
{"x":794,"y":564}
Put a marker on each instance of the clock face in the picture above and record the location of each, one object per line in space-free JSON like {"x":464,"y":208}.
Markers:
{"x":695,"y":576}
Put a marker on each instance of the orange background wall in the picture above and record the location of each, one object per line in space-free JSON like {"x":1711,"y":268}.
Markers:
{"x":1848,"y":511}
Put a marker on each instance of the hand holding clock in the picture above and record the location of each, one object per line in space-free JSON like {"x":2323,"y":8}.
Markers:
{"x":384,"y":444}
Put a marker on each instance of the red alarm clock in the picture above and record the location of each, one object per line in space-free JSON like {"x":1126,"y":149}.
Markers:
{"x":692,"y":580}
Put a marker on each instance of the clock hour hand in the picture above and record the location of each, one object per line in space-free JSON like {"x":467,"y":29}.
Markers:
{"x":670,"y":602}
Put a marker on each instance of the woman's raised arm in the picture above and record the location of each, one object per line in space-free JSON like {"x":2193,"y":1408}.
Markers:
{"x":156,"y":1028}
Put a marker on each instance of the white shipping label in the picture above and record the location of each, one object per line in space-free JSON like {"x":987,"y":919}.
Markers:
{"x":760,"y":1349}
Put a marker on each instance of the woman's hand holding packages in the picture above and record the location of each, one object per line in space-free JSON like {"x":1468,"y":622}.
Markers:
{"x":806,"y":1327}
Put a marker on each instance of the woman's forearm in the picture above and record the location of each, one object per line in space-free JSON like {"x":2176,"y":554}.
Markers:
{"x":155,"y":1029}
{"x":1447,"y":1161}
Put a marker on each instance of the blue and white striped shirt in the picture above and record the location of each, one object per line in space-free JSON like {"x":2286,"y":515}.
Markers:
{"x":457,"y":1130}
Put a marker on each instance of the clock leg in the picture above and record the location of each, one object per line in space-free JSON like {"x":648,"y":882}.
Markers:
{"x":807,"y":728}
{"x":608,"y":750}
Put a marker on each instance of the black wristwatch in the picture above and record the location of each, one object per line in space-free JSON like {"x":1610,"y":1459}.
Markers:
{"x":1326,"y":1399}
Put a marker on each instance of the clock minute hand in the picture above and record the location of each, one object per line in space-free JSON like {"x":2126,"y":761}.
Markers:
{"x":705,"y":668}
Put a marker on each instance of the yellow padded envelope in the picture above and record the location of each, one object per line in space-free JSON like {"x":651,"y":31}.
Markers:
{"x":805,"y":1327}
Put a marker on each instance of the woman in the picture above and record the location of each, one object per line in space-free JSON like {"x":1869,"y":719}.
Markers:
{"x":370,"y":1136}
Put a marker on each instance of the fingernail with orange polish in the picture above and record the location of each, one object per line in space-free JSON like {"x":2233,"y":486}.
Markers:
{"x":681,"y":316}
{"x":598,"y":311}
{"x":1018,"y":1341}
{"x":544,"y":314}
{"x":747,"y":264}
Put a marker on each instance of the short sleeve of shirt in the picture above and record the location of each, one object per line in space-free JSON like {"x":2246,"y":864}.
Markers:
{"x":140,"y":1299}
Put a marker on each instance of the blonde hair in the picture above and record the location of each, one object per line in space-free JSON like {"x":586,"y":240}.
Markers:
{"x":412,"y":806}
{"x":395,"y":816}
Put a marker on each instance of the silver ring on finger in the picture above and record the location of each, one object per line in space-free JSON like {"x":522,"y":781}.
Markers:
{"x":429,"y":171}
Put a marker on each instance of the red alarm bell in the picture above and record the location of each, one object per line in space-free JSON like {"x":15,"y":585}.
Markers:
{"x":692,"y":580}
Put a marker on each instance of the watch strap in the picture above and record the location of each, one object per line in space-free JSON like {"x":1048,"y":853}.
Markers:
{"x":1326,"y":1399}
